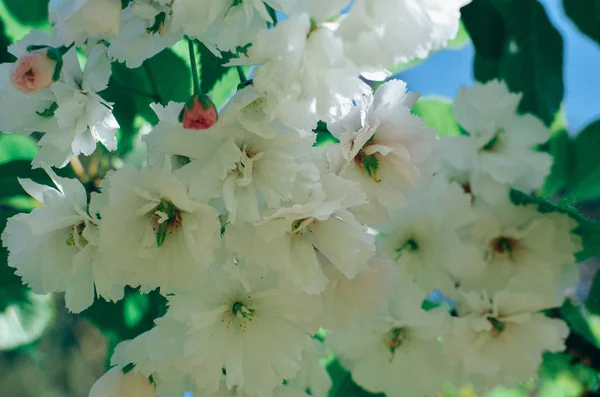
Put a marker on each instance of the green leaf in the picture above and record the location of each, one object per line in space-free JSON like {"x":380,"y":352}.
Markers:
{"x":560,"y":147}
{"x":211,"y":68}
{"x":9,"y":172}
{"x":562,"y":375}
{"x":324,"y":137}
{"x":133,"y":90}
{"x":533,"y":58}
{"x":51,"y":110}
{"x":128,"y":368}
{"x":30,"y":12}
{"x":437,"y":114}
{"x":586,"y":16}
{"x":584,"y":165}
{"x":225,"y":88}
{"x":118,"y":319}
{"x":593,"y":301}
{"x":343,"y":385}
{"x":5,"y":56}
{"x":484,"y":69}
{"x":578,"y":322}
{"x":516,"y":42}
{"x":17,"y":147}
{"x":485,"y":26}
{"x":135,"y":307}
{"x":15,"y":29}
{"x":576,"y":167}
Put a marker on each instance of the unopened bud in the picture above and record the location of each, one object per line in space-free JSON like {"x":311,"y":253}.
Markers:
{"x":33,"y":72}
{"x":199,"y":114}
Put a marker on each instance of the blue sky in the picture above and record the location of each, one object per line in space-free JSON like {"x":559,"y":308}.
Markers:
{"x":444,"y":72}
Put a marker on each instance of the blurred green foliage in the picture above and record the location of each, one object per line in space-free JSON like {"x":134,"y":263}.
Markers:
{"x":514,"y":40}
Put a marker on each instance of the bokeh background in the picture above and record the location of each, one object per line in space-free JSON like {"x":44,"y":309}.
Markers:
{"x":47,"y":352}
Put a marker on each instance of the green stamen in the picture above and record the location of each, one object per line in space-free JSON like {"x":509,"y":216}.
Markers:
{"x":395,"y":338}
{"x":166,"y":218}
{"x":498,"y":326}
{"x":239,"y":309}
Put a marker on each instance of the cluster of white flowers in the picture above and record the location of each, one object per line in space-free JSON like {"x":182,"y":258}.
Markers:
{"x":258,"y":238}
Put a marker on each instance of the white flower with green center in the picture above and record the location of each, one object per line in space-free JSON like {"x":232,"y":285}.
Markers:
{"x":153,"y":232}
{"x":499,"y":339}
{"x":525,"y":249}
{"x":146,"y":29}
{"x":383,"y":146}
{"x":422,"y":238}
{"x":53,"y":248}
{"x":249,"y":328}
{"x":499,"y":152}
{"x":397,"y":350}
{"x":295,"y":237}
{"x":248,"y":173}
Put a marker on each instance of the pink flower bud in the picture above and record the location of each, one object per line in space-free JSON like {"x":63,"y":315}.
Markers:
{"x":200,"y":116}
{"x":33,"y":72}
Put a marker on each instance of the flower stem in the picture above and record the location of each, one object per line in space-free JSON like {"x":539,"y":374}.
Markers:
{"x":195,"y":79}
{"x":242,"y":75}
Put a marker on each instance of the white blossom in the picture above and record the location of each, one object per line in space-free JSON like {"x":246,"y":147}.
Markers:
{"x":500,"y":338}
{"x":397,"y":351}
{"x":499,"y":152}
{"x":247,"y":172}
{"x":423,"y":237}
{"x":349,"y":300}
{"x":115,"y":383}
{"x":146,"y":29}
{"x":152,"y":232}
{"x":250,"y":327}
{"x":77,"y":20}
{"x":524,"y":248}
{"x":302,"y":238}
{"x":381,"y":33}
{"x":313,"y":375}
{"x":83,"y":117}
{"x":70,"y":113}
{"x":303,"y":72}
{"x":20,"y":112}
{"x":382,"y":146}
{"x":53,"y":248}
{"x":227,"y":25}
